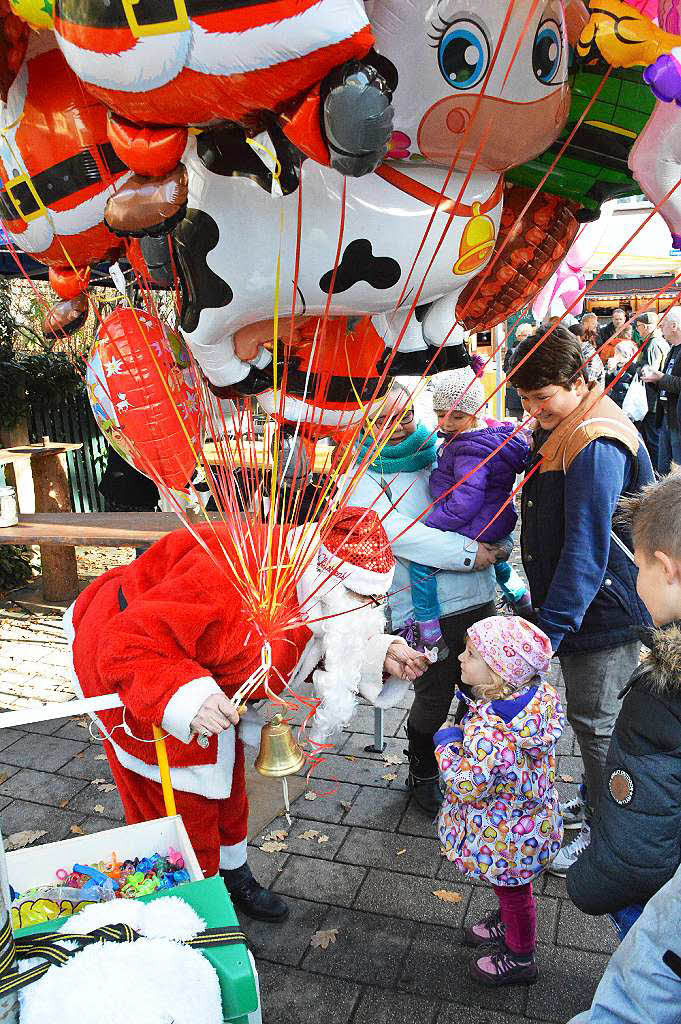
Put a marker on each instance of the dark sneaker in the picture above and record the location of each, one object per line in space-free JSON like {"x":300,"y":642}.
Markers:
{"x":148,"y":206}
{"x":490,"y":929}
{"x":427,"y":794}
{"x":251,"y":898}
{"x":500,"y":966}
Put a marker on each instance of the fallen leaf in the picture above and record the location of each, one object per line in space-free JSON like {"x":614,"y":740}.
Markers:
{"x":448,"y":895}
{"x":3,"y":777}
{"x":346,"y":805}
{"x":310,"y":833}
{"x":98,"y":782}
{"x":278,"y":835}
{"x":108,"y":787}
{"x":63,"y":803}
{"x":322,"y":839}
{"x":393,"y":759}
{"x":349,"y":757}
{"x":82,"y":754}
{"x":18,"y":840}
{"x":324,"y":938}
{"x":566,"y":778}
{"x":400,"y":852}
{"x":273,"y":847}
{"x":389,"y":777}
{"x":77,"y":830}
{"x":101,"y":757}
{"x":99,"y":808}
{"x":310,"y":795}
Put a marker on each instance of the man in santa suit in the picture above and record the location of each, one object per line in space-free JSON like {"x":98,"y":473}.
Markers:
{"x":171,"y":634}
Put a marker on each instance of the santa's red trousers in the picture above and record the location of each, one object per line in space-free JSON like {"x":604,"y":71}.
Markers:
{"x":215,"y":827}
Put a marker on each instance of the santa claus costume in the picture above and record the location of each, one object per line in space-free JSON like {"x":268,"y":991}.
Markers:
{"x":169,"y":630}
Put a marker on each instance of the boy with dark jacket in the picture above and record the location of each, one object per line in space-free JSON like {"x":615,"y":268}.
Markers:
{"x":636,"y":842}
{"x":587,"y":454}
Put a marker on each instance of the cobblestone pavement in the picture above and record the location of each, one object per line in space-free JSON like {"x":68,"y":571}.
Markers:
{"x":397,"y":954}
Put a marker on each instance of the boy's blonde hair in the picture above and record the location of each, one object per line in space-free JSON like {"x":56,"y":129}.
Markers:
{"x":654,"y":517}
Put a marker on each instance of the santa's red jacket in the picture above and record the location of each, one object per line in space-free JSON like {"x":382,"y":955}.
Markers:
{"x":182,"y":635}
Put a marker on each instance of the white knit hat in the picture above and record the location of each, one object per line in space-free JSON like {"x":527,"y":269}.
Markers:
{"x":458,"y":391}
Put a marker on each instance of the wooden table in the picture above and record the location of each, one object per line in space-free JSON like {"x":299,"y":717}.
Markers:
{"x":91,"y":529}
{"x":40,"y":475}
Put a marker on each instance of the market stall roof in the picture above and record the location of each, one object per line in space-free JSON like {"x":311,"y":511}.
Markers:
{"x":623,"y":287}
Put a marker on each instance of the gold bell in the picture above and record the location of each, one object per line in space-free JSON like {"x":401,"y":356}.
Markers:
{"x":279,"y":754}
{"x":477,"y":243}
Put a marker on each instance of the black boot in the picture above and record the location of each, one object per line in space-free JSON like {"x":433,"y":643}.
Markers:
{"x":250,"y":897}
{"x":423,"y":779}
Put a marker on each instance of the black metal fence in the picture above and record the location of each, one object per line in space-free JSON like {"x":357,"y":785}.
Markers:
{"x":71,"y":420}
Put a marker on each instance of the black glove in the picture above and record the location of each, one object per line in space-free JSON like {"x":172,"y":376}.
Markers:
{"x":357,"y":117}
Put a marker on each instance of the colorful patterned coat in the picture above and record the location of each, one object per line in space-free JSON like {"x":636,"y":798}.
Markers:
{"x":500,"y":818}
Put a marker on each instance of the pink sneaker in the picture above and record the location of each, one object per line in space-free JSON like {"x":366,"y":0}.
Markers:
{"x":502,"y":967}
{"x":490,"y":929}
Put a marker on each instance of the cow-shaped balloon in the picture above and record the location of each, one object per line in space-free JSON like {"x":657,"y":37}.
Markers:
{"x":481,"y":87}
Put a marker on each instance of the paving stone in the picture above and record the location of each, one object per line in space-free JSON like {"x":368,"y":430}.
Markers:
{"x":585,"y":932}
{"x":483,"y":900}
{"x":379,"y":1007}
{"x":566,"y":984}
{"x":572,"y":766}
{"x":356,"y":743}
{"x":97,"y":823}
{"x":326,"y":881}
{"x":45,"y":728}
{"x":437,"y":966}
{"x":448,"y":873}
{"x":10,"y":736}
{"x":295,"y":997}
{"x":381,"y":849}
{"x":265,"y":866}
{"x":411,"y":898}
{"x":362,"y":771}
{"x":45,"y":753}
{"x":459,"y":1015}
{"x":554,"y":886}
{"x":86,"y":799}
{"x":382,"y":941}
{"x":307,"y":847}
{"x":377,"y":808}
{"x":326,"y":807}
{"x":41,"y":787}
{"x":20,"y":815}
{"x":288,"y":942}
{"x":416,"y":823}
{"x":87,"y":766}
{"x":363,"y":721}
{"x":73,"y":730}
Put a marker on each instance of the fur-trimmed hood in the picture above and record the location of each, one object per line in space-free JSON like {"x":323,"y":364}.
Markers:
{"x":662,"y":665}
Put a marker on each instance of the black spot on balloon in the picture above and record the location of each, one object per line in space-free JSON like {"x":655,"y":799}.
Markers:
{"x":360,"y":264}
{"x":193,"y":239}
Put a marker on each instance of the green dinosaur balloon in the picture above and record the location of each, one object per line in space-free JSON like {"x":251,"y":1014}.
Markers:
{"x":594,"y":166}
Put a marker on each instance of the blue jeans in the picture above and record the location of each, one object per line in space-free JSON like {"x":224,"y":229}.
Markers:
{"x":670,"y":449}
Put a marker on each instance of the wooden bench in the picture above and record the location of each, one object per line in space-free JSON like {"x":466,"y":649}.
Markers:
{"x":64,"y":531}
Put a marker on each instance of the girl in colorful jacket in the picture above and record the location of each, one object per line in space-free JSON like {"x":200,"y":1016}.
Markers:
{"x":500,"y":819}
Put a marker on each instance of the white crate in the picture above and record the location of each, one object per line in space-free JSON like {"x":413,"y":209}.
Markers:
{"x":36,"y":865}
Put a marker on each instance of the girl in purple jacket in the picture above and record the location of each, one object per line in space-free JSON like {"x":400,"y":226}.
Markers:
{"x":471,"y":495}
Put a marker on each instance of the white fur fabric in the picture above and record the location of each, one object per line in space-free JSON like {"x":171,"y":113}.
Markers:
{"x":155,"y":980}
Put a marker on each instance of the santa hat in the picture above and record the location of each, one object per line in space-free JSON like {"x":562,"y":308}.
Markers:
{"x":512,"y":647}
{"x":356,"y":549}
{"x":458,"y":391}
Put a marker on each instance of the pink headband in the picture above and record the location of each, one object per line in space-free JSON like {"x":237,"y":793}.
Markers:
{"x":514,"y":648}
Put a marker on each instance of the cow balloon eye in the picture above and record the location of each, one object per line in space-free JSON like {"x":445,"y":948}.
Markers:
{"x":463,"y":54}
{"x":547,"y":52}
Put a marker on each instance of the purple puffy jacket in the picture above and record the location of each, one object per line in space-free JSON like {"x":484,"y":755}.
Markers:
{"x":470,"y":508}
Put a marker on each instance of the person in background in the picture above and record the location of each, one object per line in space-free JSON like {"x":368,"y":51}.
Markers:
{"x":653,"y":357}
{"x":500,"y":819}
{"x":586,"y":455}
{"x":125,"y":489}
{"x":667,"y":385}
{"x":398,"y":455}
{"x":514,"y":407}
{"x":591,"y":330}
{"x":635,"y":843}
{"x":611,"y":332}
{"x":471,"y":485}
{"x":625,"y":350}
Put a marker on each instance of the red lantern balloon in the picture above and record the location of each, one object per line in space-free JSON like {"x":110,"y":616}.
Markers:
{"x":533,"y":243}
{"x":144,"y":395}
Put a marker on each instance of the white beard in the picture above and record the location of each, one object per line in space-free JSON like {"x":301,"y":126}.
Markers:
{"x":344,"y":641}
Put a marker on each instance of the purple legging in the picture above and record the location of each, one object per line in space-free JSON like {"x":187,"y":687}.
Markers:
{"x":519,"y":914}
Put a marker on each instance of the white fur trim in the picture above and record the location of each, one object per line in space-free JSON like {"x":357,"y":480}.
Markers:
{"x":232,"y":857}
{"x":184,"y":704}
{"x":356,"y":577}
{"x":211,"y":780}
{"x":296,"y":410}
{"x":149,"y":64}
{"x":375,"y":650}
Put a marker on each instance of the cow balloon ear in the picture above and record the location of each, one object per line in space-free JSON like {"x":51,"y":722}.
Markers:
{"x":576,"y":18}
